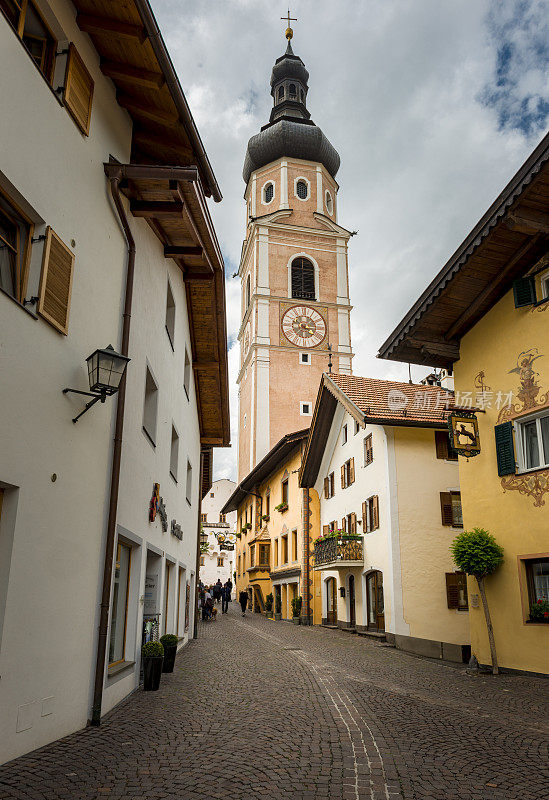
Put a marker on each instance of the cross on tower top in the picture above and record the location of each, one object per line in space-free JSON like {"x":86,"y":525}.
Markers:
{"x":289,"y":31}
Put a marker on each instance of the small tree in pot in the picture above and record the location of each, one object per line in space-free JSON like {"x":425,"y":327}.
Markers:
{"x":269,"y":604}
{"x":153,"y":656}
{"x":296,"y":609}
{"x":278,"y":607}
{"x":478,"y":554}
{"x":169,"y":642}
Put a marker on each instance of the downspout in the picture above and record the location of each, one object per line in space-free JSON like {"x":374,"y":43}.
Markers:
{"x":306,"y":618}
{"x":116,"y":459}
{"x":197,"y":569}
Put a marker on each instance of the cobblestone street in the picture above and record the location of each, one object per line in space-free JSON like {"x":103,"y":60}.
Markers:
{"x":258,"y":709}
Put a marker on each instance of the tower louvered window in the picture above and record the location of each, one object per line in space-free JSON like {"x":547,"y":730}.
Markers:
{"x":302,"y":190}
{"x":281,"y":93}
{"x":303,"y":279}
{"x":293,"y":91}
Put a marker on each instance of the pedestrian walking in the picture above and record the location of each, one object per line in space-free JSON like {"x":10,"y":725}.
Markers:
{"x":230,"y":585}
{"x":218,"y":591}
{"x":226,"y":598}
{"x":243,"y":600}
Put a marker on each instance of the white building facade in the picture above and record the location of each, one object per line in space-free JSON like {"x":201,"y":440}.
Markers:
{"x":71,"y":281}
{"x":218,"y":542}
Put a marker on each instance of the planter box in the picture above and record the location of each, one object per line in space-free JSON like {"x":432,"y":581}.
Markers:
{"x":169,"y":658}
{"x":152,"y":672}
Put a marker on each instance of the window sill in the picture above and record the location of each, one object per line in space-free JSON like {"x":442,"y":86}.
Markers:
{"x":533,"y":469}
{"x":115,"y":669}
{"x":149,"y":438}
{"x":536,"y":621}
{"x":17,"y":303}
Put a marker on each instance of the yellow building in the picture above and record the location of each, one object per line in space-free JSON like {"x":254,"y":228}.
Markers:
{"x":486,"y":317}
{"x":277,"y":522}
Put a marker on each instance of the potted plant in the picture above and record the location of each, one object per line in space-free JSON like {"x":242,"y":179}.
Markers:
{"x":169,"y":643}
{"x":153,"y":657}
{"x":269,"y":605}
{"x":539,"y":611}
{"x":248,"y":526}
{"x":296,"y":610}
{"x":278,"y":607}
{"x":266,"y":517}
{"x":281,"y":507}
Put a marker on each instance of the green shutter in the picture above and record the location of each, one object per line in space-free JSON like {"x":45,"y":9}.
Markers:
{"x":524,"y":291}
{"x":505,"y":450}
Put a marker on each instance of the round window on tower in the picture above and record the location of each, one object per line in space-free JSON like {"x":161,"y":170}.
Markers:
{"x":329,"y":203}
{"x":268,"y":192}
{"x":302,"y":189}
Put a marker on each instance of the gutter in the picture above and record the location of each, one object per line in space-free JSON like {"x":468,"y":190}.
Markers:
{"x":172,"y":82}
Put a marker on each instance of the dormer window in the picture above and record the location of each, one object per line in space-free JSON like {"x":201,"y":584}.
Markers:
{"x":293,"y":91}
{"x":281,"y":93}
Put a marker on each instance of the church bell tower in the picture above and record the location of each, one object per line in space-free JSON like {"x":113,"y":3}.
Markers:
{"x":295,"y":313}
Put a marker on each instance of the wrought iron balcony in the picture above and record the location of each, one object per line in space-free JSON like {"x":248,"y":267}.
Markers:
{"x":338,"y":552}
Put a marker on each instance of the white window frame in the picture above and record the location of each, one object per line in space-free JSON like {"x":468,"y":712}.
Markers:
{"x":544,"y":285}
{"x":264,"y":189}
{"x":304,"y":403}
{"x":305,"y":358}
{"x":520,"y":453}
{"x":308,"y":182}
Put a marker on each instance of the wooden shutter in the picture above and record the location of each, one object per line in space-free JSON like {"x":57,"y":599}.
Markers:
{"x":446,"y":508}
{"x":524,"y":291}
{"x":353,"y":523}
{"x":452,"y":589}
{"x":441,"y":444}
{"x":344,"y":524}
{"x":369,"y":450}
{"x":326,"y":487}
{"x":375,"y":512}
{"x":505,"y":451}
{"x":325,"y":529}
{"x":78,"y":92}
{"x":343,"y":484}
{"x":364,"y":516}
{"x":56,"y":282}
{"x":351,"y":470}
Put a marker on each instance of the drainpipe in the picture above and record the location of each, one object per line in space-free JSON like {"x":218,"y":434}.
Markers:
{"x":306,"y":618}
{"x":197,"y":569}
{"x":114,"y":181}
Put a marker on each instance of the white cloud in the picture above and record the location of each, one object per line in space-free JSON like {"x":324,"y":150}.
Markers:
{"x":423,"y":101}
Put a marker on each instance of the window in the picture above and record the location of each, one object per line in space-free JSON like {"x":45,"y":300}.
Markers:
{"x":456,"y":590}
{"x":174,"y":454}
{"x":443,"y":447}
{"x":187,"y":374}
{"x":302,"y":189}
{"x":305,"y":409}
{"x":33,"y":32}
{"x":203,"y":518}
{"x":537,"y":578}
{"x":15,"y":243}
{"x":303,"y":279}
{"x":348,"y":473}
{"x":294,"y":545}
{"x":293,"y":91}
{"x":370,"y":514}
{"x":357,"y":427}
{"x":368,"y":450}
{"x":304,"y":358}
{"x":348,"y":523}
{"x":150,"y":407}
{"x":267,"y":504}
{"x":284,"y":554}
{"x":170,"y":315}
{"x":239,"y":565}
{"x":302,"y":95}
{"x":202,"y":561}
{"x":264,"y":555}
{"x":281,"y":93}
{"x":450,"y":508}
{"x":533,"y":442}
{"x":344,"y":435}
{"x":189,"y":492}
{"x":329,"y":203}
{"x":248,"y":290}
{"x":276,"y":552}
{"x":220,"y":562}
{"x":212,"y":494}
{"x":222,"y":518}
{"x":544,"y":282}
{"x":268,"y":192}
{"x":119,"y":607}
{"x":329,"y":485}
{"x":285,"y":491}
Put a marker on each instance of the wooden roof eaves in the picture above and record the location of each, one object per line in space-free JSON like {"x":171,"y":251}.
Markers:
{"x":493,"y":216}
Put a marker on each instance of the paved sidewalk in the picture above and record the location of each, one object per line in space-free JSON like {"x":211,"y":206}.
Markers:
{"x":258,"y":709}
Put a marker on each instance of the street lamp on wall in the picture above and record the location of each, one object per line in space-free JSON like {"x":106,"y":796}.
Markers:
{"x":105,"y":371}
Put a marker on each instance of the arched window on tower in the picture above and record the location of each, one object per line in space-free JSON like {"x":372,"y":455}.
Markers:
{"x":293,"y":91}
{"x":281,"y":93}
{"x":302,"y":96}
{"x":248,"y":291}
{"x":303,"y":279}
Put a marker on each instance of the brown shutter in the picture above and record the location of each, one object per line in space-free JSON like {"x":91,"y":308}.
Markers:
{"x":375,"y":512}
{"x":343,"y":476}
{"x":326,"y":487}
{"x":56,"y":282}
{"x":441,"y":444}
{"x":369,"y":453}
{"x":351,"y":470}
{"x":446,"y":508}
{"x":452,"y":589}
{"x":325,"y":529}
{"x":353,"y":523}
{"x":364,"y":517}
{"x":344,"y":524}
{"x":332,"y":484}
{"x":78,"y":92}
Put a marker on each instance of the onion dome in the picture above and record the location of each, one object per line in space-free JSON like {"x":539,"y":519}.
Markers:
{"x":290,"y":131}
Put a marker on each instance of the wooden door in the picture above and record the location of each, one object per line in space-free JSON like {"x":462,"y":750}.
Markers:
{"x":352,"y":613}
{"x":331,"y":600}
{"x":374,"y":593}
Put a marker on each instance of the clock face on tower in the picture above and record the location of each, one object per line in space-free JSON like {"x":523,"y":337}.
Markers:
{"x":303,"y":326}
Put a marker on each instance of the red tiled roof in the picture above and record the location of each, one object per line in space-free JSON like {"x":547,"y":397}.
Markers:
{"x":381,"y":400}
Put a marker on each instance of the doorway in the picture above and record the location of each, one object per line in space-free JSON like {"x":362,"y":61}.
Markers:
{"x":352,"y":611}
{"x":331,"y":601}
{"x":374,"y":593}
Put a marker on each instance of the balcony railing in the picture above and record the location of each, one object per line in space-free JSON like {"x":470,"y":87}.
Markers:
{"x":338,"y":551}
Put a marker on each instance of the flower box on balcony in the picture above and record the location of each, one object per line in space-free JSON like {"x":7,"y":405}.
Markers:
{"x":281,"y":507}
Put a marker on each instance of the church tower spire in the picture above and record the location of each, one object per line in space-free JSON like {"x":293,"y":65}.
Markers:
{"x":295,"y":313}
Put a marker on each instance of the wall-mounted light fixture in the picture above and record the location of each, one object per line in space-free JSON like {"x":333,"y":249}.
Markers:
{"x":342,"y":591}
{"x":105,"y":370}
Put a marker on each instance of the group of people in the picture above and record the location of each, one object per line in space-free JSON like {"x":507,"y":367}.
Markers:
{"x":209,"y":596}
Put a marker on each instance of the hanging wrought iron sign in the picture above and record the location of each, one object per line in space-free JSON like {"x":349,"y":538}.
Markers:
{"x":176,"y":530}
{"x":464,"y":435}
{"x":156,"y":506}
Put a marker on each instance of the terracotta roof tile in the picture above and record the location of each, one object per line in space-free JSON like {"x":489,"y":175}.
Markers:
{"x":381,"y":400}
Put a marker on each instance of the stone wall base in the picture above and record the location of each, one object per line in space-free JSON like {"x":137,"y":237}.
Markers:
{"x":460,"y":653}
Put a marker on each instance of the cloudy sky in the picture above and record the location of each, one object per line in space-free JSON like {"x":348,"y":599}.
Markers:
{"x":431,"y":104}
